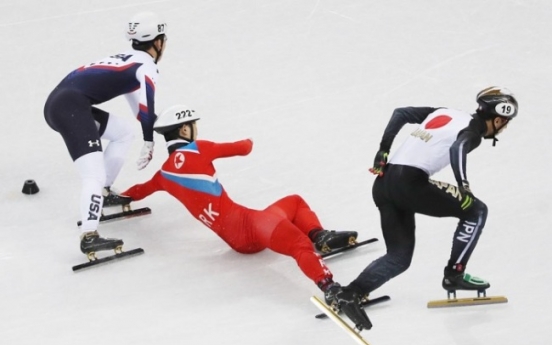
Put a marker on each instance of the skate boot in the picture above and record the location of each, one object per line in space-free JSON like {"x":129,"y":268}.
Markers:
{"x":329,"y":296}
{"x":458,"y":280}
{"x":91,"y":242}
{"x":349,"y":302}
{"x":327,"y":240}
{"x":113,"y":199}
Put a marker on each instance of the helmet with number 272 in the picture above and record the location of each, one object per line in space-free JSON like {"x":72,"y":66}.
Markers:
{"x":497,"y":101}
{"x":174,"y":117}
{"x":145,"y":27}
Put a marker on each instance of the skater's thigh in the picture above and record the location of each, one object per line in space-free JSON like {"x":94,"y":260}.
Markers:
{"x":69,"y":113}
{"x":437,"y":199}
{"x":261,"y":225}
{"x":286,"y":207}
{"x":101,"y":118}
{"x":398,"y":228}
{"x":288,"y":239}
{"x":112,"y":127}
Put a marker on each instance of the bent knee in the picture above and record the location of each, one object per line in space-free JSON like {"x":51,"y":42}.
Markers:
{"x":118,"y":130}
{"x":295,"y":198}
{"x":401,"y":260}
{"x":479,"y":209}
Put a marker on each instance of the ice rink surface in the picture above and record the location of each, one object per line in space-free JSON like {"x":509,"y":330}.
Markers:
{"x":313,"y":83}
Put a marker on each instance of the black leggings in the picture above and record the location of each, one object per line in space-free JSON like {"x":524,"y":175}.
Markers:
{"x":402,"y":192}
{"x":70,"y":113}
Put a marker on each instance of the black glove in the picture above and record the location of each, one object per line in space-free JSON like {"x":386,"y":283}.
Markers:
{"x":379,"y":163}
{"x":467,"y":195}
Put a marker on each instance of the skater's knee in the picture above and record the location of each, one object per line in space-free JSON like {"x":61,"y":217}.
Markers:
{"x":126,"y":134}
{"x":118,"y":130}
{"x":478,"y":210}
{"x":401,"y":260}
{"x":296,"y":199}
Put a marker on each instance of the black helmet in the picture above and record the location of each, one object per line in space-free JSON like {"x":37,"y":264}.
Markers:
{"x":497,"y":101}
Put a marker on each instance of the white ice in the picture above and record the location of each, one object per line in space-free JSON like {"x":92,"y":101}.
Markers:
{"x":313,"y":83}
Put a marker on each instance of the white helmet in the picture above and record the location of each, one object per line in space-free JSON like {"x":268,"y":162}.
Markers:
{"x":174,"y":117}
{"x":145,"y":26}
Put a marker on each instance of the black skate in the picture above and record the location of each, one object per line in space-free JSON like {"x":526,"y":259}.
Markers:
{"x":113,"y":199}
{"x":329,"y":296}
{"x":350,"y":303}
{"x":454,"y":280}
{"x":328,"y":240}
{"x":343,"y":299}
{"x":91,"y":242}
{"x":458,"y":280}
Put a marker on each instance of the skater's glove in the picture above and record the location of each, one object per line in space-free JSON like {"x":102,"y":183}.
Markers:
{"x":467,"y":195}
{"x":145,"y":155}
{"x":379,"y":163}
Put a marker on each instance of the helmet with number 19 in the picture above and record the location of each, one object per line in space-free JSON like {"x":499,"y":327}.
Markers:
{"x":497,"y":106}
{"x":497,"y":101}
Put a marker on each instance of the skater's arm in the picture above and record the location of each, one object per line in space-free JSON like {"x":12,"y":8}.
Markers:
{"x":140,"y":191}
{"x":146,"y":107}
{"x":400,"y":117}
{"x":238,"y":148}
{"x":468,"y":139}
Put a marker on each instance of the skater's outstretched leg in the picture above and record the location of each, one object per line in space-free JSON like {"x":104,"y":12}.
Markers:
{"x":287,"y":239}
{"x":297,"y":211}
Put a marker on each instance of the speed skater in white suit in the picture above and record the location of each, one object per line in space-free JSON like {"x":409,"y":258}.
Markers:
{"x":71,"y":111}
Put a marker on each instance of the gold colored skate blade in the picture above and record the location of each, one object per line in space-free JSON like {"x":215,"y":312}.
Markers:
{"x":338,"y":320}
{"x":461,"y":302}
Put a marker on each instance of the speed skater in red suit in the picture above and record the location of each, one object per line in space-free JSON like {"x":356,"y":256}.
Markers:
{"x":288,"y":226}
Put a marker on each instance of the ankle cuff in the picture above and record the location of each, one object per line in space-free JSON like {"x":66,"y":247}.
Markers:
{"x":325,"y":284}
{"x":313,"y":233}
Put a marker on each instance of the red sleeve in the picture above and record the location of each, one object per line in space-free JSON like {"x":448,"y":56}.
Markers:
{"x":140,"y":191}
{"x":238,"y":148}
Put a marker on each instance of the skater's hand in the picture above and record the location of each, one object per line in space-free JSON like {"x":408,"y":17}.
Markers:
{"x":467,"y":195}
{"x":145,"y":155}
{"x":379,"y":163}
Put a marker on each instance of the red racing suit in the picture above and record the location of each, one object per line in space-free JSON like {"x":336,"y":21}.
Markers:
{"x":189,"y":175}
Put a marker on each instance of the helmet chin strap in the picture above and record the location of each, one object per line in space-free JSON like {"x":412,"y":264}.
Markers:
{"x":158,"y":51}
{"x":176,"y":141}
{"x":192,"y":136}
{"x":495,"y":131}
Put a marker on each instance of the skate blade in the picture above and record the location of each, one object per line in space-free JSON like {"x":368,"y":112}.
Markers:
{"x":461,"y":302}
{"x":122,"y":215}
{"x":353,"y":333}
{"x":366,"y":303}
{"x":347,"y":248}
{"x":101,"y":261}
